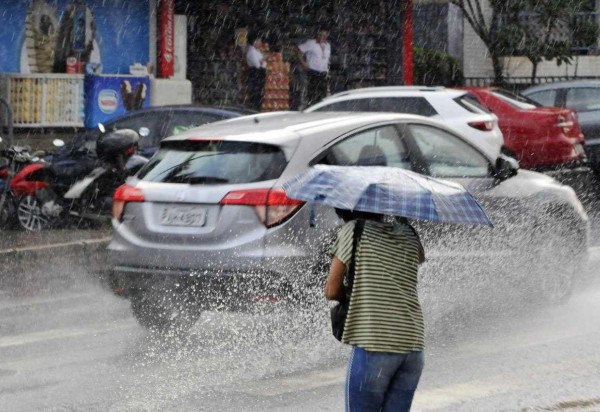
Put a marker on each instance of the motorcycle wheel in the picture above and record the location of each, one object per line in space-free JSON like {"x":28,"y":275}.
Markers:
{"x":29,"y":214}
{"x":89,"y":216}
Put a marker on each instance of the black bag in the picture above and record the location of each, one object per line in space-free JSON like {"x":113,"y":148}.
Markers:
{"x":339,"y":312}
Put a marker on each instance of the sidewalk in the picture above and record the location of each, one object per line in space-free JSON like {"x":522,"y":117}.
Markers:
{"x":14,"y":241}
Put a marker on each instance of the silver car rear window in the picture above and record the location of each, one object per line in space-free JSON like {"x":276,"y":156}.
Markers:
{"x":214,"y":162}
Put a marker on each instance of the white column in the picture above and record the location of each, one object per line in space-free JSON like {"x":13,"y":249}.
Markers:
{"x":180,"y":46}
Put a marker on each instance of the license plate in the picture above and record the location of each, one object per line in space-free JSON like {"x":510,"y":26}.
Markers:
{"x":183,"y":216}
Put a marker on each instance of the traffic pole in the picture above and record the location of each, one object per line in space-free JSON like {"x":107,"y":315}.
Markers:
{"x":407,"y":44}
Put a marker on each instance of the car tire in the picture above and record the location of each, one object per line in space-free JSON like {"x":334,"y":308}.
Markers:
{"x":560,"y":261}
{"x":29,"y":214}
{"x":163,"y":313}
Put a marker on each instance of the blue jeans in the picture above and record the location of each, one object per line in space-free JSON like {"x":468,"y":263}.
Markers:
{"x":381,"y":381}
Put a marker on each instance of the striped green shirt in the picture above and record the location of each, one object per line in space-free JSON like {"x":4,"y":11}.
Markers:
{"x":384,"y":314}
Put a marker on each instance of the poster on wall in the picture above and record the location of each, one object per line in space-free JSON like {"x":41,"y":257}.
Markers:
{"x":108,"y":97}
{"x":63,"y":36}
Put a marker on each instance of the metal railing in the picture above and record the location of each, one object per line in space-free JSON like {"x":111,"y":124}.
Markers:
{"x":523,"y":82}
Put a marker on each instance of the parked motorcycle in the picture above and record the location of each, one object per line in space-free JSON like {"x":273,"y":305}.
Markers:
{"x":13,"y":159}
{"x":83,"y":193}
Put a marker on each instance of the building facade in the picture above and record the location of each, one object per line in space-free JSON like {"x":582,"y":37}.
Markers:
{"x":365,"y":37}
{"x":477,"y":65}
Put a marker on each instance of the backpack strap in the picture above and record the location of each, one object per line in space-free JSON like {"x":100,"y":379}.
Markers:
{"x":359,"y":227}
{"x":420,"y":245}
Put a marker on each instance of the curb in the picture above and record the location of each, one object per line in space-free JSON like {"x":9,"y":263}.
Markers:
{"x":91,"y":244}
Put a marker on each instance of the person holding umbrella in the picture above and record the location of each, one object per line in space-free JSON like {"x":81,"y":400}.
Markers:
{"x":374,"y":270}
{"x":384,"y":324}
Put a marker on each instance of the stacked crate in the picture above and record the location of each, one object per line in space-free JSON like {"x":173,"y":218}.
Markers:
{"x":277,"y":84}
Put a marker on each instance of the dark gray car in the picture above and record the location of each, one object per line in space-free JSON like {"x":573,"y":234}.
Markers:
{"x":206,"y":222}
{"x":583,"y":96}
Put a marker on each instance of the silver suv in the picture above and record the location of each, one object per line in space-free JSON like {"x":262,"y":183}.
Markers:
{"x":205,"y":223}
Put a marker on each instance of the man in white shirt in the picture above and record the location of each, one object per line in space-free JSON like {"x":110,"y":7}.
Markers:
{"x":318,"y":53}
{"x":257,"y":66}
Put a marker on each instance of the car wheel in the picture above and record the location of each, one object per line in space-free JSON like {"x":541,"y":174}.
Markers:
{"x":29,"y":214}
{"x":163,"y":313}
{"x":559,"y":264}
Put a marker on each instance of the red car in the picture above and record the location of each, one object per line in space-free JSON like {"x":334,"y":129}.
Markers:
{"x":540,"y":138}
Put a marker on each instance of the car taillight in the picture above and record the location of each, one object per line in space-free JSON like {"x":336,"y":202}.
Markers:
{"x":272,"y":206}
{"x":123,"y":195}
{"x":564,"y":123}
{"x":483,"y":126}
{"x":4,"y":173}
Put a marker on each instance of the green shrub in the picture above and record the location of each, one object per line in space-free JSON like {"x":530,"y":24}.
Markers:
{"x":436,"y":68}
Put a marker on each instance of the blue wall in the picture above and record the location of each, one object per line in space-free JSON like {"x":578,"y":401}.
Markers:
{"x":122,"y":31}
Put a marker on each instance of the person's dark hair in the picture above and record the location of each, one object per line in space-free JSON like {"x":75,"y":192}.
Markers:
{"x":348,"y":215}
{"x":323,"y":27}
{"x":251,"y":37}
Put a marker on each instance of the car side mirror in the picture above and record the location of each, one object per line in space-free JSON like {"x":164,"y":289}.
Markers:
{"x":506,"y":167}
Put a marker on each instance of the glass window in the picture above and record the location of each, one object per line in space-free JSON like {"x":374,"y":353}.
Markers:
{"x":155,"y":122}
{"x":375,"y":147}
{"x":356,"y":105}
{"x":410,"y":105}
{"x":583,"y":98}
{"x":471,"y":104}
{"x":545,"y":97}
{"x":515,"y":100}
{"x":214,"y":162}
{"x":447,"y":155}
{"x":182,"y":121}
{"x":85,"y":142}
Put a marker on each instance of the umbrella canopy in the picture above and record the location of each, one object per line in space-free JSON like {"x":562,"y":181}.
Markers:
{"x":389,"y":191}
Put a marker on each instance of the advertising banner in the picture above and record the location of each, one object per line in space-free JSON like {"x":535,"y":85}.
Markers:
{"x":166,"y":39}
{"x":39,"y":36}
{"x":107,"y":97}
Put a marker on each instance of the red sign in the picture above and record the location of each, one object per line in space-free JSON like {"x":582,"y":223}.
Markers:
{"x":166,"y":38}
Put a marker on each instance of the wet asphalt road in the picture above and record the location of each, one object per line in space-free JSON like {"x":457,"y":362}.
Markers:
{"x":68,"y":344}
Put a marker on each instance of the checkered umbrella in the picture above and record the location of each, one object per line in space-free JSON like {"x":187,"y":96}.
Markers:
{"x":389,"y":191}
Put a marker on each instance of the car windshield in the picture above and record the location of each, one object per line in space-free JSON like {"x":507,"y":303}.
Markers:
{"x":214,"y":162}
{"x":516,"y":100}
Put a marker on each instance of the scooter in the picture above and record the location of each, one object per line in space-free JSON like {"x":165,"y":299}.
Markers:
{"x":12,"y":160}
{"x":38,"y":176}
{"x":89,"y":199}
{"x":93,"y":195}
